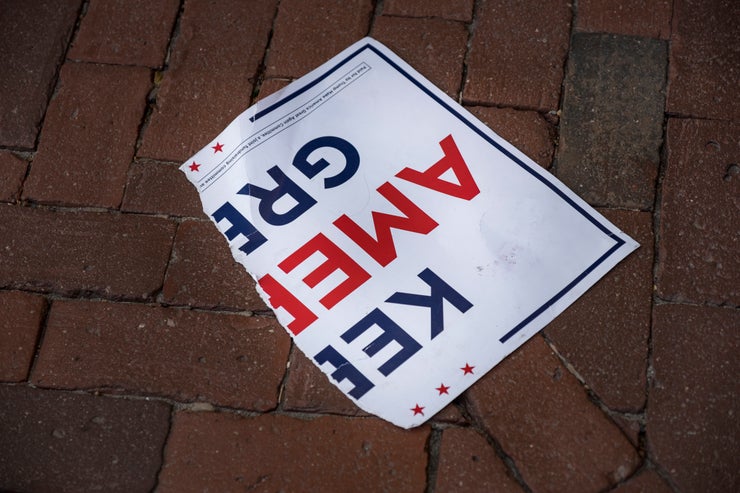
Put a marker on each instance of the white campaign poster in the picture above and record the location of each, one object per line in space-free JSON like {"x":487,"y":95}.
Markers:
{"x":404,"y":245}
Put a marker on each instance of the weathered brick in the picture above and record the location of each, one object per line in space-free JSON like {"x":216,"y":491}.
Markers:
{"x":705,"y":63}
{"x":699,"y":239}
{"x":309,"y":32}
{"x":434,"y":47}
{"x":210,"y":76}
{"x":646,"y":482}
{"x":604,"y":334}
{"x":225,"y":452}
{"x":691,"y":427}
{"x":35,"y":37}
{"x":20,"y":320}
{"x":270,"y":86}
{"x":460,"y":10}
{"x":68,"y":252}
{"x":203,"y":272}
{"x":12,"y":173}
{"x":128,"y":32}
{"x":468,"y":463}
{"x":89,"y":135}
{"x":612,"y":125}
{"x":528,"y":131}
{"x":229,"y":360}
{"x":65,"y":442}
{"x":517,"y":54}
{"x":544,"y":421}
{"x":629,"y":17}
{"x":160,"y":188}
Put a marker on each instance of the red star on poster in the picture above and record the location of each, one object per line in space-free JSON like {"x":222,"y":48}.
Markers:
{"x":218,"y":148}
{"x":442,"y":389}
{"x":467,"y":369}
{"x":418,"y":410}
{"x":195,"y":166}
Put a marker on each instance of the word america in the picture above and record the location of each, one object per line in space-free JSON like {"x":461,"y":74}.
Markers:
{"x":380,"y":248}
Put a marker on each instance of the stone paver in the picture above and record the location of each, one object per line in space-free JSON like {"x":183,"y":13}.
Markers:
{"x":520,"y":67}
{"x":160,"y":188}
{"x":65,"y":442}
{"x":126,"y":32}
{"x":77,"y":252}
{"x":691,"y":424}
{"x":224,"y":452}
{"x":646,"y":482}
{"x":629,"y":17}
{"x":701,"y":208}
{"x":230,"y":360}
{"x":459,"y":10}
{"x":544,"y":421}
{"x":35,"y":36}
{"x":20,"y":321}
{"x":89,"y":136}
{"x":612,"y":126}
{"x":12,"y":173}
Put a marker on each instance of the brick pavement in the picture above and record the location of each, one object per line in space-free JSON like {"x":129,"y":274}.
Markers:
{"x":136,"y":356}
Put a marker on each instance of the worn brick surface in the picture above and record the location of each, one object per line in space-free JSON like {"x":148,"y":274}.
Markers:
{"x":691,"y":424}
{"x":647,"y":481}
{"x":72,"y":252}
{"x":231,"y":360}
{"x":434,"y":47}
{"x":544,"y":420}
{"x":705,"y":59}
{"x":210,"y":77}
{"x":203,"y":272}
{"x":160,"y":188}
{"x":517,"y":54}
{"x":12,"y":173}
{"x":89,"y":135}
{"x":468,"y":463}
{"x":630,"y":17}
{"x":604,"y":334}
{"x":270,"y":86}
{"x":64,"y":442}
{"x":612,"y":125}
{"x":33,"y":43}
{"x":128,"y":32}
{"x":224,"y":452}
{"x":309,"y":32}
{"x":20,"y":320}
{"x":528,"y":131}
{"x":701,"y":208}
{"x":460,"y":10}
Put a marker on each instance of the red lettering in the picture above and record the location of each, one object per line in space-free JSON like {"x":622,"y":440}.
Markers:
{"x":336,"y":259}
{"x":452,"y":160}
{"x":281,"y":298}
{"x":383,"y":249}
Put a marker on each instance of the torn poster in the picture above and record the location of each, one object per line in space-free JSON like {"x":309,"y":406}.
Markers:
{"x":405,"y":247}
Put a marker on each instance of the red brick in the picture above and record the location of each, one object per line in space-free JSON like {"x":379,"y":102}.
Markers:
{"x":528,"y":131}
{"x":450,"y":414}
{"x":460,"y":10}
{"x":518,"y":53}
{"x":89,"y":135}
{"x":270,"y":86}
{"x":72,"y":252}
{"x":434,"y":47}
{"x":12,"y":173}
{"x":127,"y":32}
{"x":309,"y":32}
{"x":646,"y":482}
{"x":228,"y":360}
{"x":203,"y":272}
{"x":544,"y":421}
{"x":699,"y":240}
{"x":210,"y":77}
{"x":604,"y":334}
{"x":35,"y":36}
{"x":468,"y":463}
{"x":60,"y":441}
{"x":225,"y":452}
{"x":704,"y":63}
{"x":20,"y":320}
{"x":629,"y":17}
{"x":160,"y":188}
{"x":692,"y":428}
